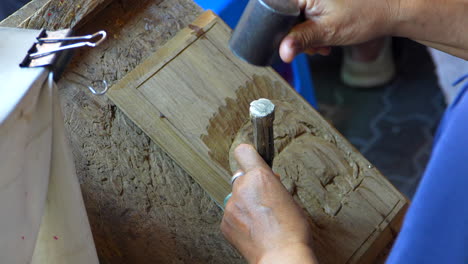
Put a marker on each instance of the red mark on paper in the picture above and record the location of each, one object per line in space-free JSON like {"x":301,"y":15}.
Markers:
{"x":56,"y":237}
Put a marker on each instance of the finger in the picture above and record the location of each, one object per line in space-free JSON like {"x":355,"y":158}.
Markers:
{"x":277,"y":175}
{"x":236,"y":175}
{"x":324,"y":51}
{"x":311,"y":51}
{"x":287,"y":50}
{"x":302,"y":37}
{"x":248,"y":159}
{"x":302,"y":4}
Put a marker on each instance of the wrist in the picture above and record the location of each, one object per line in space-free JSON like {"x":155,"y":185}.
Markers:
{"x":293,"y":254}
{"x":400,"y":15}
{"x":414,"y":19}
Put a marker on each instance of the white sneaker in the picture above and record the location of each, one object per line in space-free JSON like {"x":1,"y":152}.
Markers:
{"x":369,"y":74}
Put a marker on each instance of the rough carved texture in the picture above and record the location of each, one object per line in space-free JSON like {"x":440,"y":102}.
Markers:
{"x":231,"y":117}
{"x":321,"y":176}
{"x":314,"y":170}
{"x":143,"y":208}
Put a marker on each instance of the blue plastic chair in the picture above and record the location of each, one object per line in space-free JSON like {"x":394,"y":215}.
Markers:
{"x":231,"y":11}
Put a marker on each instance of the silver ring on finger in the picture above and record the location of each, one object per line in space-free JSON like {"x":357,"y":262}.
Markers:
{"x":236,"y":175}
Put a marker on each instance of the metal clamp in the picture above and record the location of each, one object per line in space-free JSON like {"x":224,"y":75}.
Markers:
{"x":49,"y":47}
{"x":101,"y":33}
{"x":53,"y":49}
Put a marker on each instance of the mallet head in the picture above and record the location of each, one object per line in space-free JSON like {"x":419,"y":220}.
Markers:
{"x":263,"y":25}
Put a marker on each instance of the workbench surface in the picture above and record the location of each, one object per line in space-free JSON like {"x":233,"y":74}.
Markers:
{"x":143,"y":208}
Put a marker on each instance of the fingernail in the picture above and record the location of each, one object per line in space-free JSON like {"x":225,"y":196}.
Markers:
{"x":289,"y":49}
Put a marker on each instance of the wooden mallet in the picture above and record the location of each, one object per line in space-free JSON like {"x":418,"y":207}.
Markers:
{"x":262,"y":115}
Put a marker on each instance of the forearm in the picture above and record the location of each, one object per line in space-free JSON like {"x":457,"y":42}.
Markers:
{"x":442,"y":24}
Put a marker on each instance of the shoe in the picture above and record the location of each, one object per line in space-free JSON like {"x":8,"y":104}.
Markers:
{"x":360,"y":74}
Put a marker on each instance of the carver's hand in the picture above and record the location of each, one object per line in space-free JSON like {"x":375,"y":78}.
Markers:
{"x":261,"y":219}
{"x":338,"y":23}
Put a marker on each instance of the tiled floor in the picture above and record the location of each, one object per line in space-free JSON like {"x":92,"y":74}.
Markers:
{"x":393,"y":126}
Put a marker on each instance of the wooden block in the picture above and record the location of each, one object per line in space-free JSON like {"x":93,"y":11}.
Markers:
{"x":59,"y":14}
{"x":192,"y":98}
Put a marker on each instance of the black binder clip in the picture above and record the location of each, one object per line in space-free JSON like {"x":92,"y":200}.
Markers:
{"x":54,"y":49}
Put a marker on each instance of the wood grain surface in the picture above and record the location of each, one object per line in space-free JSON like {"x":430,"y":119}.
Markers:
{"x":192,"y":97}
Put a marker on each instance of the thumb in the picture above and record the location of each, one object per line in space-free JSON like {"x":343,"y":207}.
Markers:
{"x":248,"y":159}
{"x":305,"y":37}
